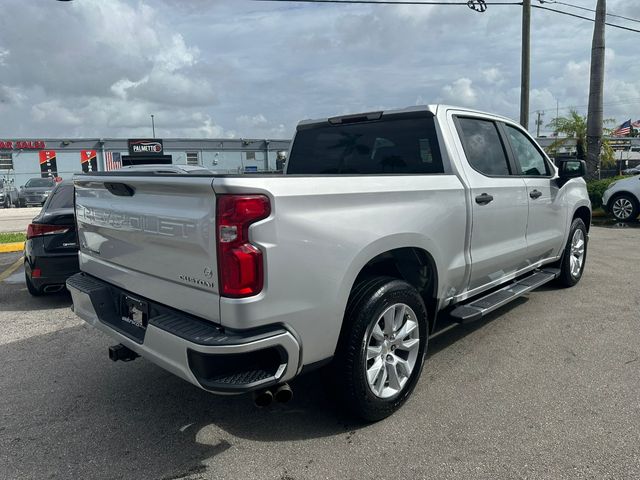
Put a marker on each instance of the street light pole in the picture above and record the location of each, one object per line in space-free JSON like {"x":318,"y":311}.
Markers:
{"x":525,"y":70}
{"x":153,"y":127}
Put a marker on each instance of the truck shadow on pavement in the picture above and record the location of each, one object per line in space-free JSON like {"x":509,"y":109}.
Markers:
{"x":72,"y":413}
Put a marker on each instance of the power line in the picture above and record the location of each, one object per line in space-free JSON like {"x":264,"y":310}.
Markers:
{"x":570,"y":107}
{"x":584,"y":18}
{"x":391,"y":2}
{"x":579,"y":7}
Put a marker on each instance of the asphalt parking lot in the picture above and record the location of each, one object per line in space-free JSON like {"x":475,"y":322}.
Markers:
{"x":545,"y":388}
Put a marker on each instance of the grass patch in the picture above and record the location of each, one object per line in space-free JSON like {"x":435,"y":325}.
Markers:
{"x":12,"y":237}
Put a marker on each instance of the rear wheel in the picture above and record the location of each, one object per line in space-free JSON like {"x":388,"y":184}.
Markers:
{"x":624,"y":207}
{"x":382,"y":347}
{"x":575,"y":254}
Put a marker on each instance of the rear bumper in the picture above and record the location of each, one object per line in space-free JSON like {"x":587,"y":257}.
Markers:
{"x":54,"y":269}
{"x":195,"y":350}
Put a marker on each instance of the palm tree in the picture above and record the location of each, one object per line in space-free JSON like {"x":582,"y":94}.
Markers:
{"x":574,"y":126}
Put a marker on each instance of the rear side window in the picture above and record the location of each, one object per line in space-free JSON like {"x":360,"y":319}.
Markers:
{"x":387,"y":146}
{"x":62,"y":197}
{"x":483,"y":147}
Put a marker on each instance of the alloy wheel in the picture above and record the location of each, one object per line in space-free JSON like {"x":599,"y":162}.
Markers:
{"x":392,"y":343}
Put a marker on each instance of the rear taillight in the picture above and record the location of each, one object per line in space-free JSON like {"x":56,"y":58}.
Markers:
{"x":240,"y":263}
{"x":38,"y":229}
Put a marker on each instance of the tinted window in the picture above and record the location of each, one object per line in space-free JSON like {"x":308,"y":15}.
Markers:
{"x":40,"y":182}
{"x":527,"y":155}
{"x":482,"y":146}
{"x":62,"y":197}
{"x":400,"y":145}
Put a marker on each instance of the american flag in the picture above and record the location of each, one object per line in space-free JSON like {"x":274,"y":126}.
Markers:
{"x":623,"y":130}
{"x":112,"y":161}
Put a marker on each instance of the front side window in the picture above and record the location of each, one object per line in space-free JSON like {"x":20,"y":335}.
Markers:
{"x":531,"y":161}
{"x":483,"y":147}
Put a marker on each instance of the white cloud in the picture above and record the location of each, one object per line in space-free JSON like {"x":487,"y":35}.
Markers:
{"x":460,"y":93}
{"x":204,"y":68}
{"x":493,"y":75}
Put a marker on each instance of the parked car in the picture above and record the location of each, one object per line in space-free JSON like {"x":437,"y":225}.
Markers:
{"x":51,"y":249}
{"x":36,"y":191}
{"x":622,"y":199}
{"x":240,"y":283}
{"x":8,"y":194}
{"x":632,"y":171}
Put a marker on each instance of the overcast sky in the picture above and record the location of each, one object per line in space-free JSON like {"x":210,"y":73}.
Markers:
{"x":238,"y":68}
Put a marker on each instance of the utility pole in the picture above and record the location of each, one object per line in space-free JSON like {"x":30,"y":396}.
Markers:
{"x":596,"y":87}
{"x":526,"y":58}
{"x":153,"y":127}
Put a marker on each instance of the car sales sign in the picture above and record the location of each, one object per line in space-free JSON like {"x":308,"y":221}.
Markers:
{"x":21,"y":144}
{"x":145,"y":147}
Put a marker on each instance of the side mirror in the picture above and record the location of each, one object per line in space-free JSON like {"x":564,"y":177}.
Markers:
{"x":572,"y":168}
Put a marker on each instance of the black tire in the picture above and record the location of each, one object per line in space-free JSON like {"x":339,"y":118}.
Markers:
{"x":627,"y":200}
{"x":33,"y":290}
{"x":368,"y":300}
{"x":567,"y":278}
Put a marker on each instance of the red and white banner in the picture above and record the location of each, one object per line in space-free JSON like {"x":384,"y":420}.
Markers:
{"x":48,"y":164}
{"x":89,"y":160}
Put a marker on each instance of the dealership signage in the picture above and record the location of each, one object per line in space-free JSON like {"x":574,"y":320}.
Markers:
{"x":21,"y":144}
{"x":145,"y":147}
{"x":48,"y":163}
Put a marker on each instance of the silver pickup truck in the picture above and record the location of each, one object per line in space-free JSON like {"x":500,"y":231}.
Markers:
{"x":382,"y":223}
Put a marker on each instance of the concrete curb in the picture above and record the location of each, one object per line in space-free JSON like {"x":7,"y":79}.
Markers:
{"x":11,"y":247}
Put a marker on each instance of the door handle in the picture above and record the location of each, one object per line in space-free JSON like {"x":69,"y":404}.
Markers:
{"x":484,"y":198}
{"x":535,"y":194}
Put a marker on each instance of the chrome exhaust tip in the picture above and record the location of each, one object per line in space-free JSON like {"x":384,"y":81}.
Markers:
{"x":52,"y":288}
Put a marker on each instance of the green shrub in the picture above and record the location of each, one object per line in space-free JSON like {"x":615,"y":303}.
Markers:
{"x":596,"y":189}
{"x":12,"y":237}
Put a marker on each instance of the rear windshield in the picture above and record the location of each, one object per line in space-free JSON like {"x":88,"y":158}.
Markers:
{"x":388,"y":146}
{"x":62,"y":198}
{"x":40,"y":182}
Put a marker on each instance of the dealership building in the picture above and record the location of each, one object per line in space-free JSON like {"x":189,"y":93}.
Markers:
{"x":21,"y":159}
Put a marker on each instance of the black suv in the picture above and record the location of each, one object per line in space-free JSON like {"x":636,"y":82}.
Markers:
{"x":51,"y":249}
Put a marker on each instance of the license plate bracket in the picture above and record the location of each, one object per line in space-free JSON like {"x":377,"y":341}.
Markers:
{"x":132,"y":317}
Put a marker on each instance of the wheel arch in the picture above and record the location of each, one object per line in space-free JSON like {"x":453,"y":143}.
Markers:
{"x":411,"y":259}
{"x":584,"y":213}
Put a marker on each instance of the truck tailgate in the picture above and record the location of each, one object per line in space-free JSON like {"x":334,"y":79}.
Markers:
{"x":153,"y":235}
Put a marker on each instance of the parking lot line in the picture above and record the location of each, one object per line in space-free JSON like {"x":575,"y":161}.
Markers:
{"x":4,"y":275}
{"x":11,"y":247}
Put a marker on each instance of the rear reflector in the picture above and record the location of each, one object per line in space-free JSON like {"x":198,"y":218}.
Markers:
{"x":38,"y":229}
{"x":240,"y":263}
{"x":36,"y":273}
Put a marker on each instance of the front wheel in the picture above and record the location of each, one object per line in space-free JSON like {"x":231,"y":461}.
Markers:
{"x":382,"y":347}
{"x":624,"y":207}
{"x":575,"y":254}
